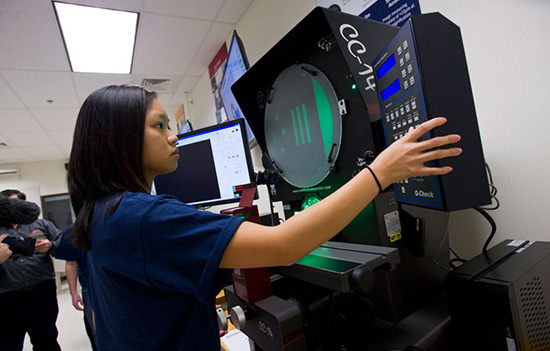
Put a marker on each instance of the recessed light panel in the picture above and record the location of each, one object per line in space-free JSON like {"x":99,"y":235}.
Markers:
{"x":98,"y":40}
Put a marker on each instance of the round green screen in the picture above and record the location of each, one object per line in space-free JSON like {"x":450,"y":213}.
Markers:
{"x":303,"y":126}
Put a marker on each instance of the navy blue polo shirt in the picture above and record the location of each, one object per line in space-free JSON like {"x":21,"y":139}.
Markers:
{"x":153,"y":274}
{"x":68,"y":252}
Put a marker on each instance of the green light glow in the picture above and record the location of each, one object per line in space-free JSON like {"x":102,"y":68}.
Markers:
{"x":325,"y":115}
{"x":306,"y":123}
{"x":295,"y":129}
{"x":310,"y":201}
{"x":300,"y":124}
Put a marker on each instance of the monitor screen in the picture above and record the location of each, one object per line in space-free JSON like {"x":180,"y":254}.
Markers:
{"x":236,"y":66}
{"x":214,"y":163}
{"x":186,"y":128}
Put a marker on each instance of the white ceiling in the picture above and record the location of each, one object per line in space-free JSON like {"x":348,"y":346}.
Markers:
{"x":176,"y":39}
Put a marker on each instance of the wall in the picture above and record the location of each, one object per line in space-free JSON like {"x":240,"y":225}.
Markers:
{"x":49,"y":176}
{"x":505,"y":46}
{"x":504,"y":43}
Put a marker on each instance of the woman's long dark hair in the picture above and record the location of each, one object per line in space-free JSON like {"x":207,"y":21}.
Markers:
{"x":106,"y":156}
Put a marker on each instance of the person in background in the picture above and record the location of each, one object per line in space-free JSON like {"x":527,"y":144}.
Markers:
{"x":76,"y":269}
{"x":28,"y":294}
{"x":156,"y":264}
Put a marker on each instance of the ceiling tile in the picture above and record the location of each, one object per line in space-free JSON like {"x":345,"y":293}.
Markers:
{"x":124,"y":5}
{"x":45,"y":153}
{"x":185,"y":86}
{"x":164,"y":99}
{"x":31,"y":38}
{"x":61,"y":137}
{"x":8,"y":99}
{"x":29,"y":139}
{"x":56,"y":119}
{"x":233,"y":10}
{"x":17,"y":120}
{"x":158,"y":52}
{"x":66,"y":149}
{"x":36,"y":88}
{"x":15,"y":156}
{"x":216,"y":37}
{"x":5,"y":140}
{"x":86,"y":83}
{"x":201,"y":9}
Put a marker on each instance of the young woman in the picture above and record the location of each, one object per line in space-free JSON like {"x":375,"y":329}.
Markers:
{"x":156,"y":264}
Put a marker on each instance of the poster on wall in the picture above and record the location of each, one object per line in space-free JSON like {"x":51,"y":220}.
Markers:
{"x":394,"y":12}
{"x":215,"y":69}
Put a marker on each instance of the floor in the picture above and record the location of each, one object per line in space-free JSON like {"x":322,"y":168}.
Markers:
{"x":70,"y":324}
{"x":72,"y":335}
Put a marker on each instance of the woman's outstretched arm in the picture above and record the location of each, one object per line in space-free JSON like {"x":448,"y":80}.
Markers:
{"x":254,"y":245}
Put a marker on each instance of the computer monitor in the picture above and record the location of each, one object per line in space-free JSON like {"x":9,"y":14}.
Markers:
{"x":237,"y":64}
{"x":186,"y":128}
{"x":214,"y":164}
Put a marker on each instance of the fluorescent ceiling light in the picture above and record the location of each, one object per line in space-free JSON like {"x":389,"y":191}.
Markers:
{"x":98,"y":40}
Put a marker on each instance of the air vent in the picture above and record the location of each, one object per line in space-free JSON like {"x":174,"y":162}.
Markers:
{"x":535,"y":314}
{"x":156,"y":84}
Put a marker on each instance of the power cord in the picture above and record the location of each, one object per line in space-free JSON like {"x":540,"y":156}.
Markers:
{"x":483,"y":211}
{"x":493,"y":227}
{"x":492,"y":190}
{"x":443,"y":241}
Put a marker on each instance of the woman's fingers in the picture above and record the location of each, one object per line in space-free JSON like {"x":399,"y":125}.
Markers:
{"x":425,"y":127}
{"x":439,"y":141}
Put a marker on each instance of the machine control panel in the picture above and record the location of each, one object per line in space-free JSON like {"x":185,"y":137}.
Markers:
{"x":421,"y":74}
{"x":402,"y":105}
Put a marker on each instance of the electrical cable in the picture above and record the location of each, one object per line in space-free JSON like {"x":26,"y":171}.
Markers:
{"x":456,"y":259}
{"x":453,"y":252}
{"x":493,"y":227}
{"x":492,"y":190}
{"x":444,"y":240}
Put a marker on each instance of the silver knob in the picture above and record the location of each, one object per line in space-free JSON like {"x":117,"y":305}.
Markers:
{"x":238,"y":318}
{"x":222,"y":319}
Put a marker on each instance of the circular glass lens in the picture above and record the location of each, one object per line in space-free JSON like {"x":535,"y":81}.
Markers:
{"x":303,"y":126}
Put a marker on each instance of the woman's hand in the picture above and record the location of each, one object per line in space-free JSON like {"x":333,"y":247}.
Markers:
{"x":407,"y":156}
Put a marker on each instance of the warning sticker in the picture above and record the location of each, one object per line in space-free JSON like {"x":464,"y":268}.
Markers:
{"x":393,"y":224}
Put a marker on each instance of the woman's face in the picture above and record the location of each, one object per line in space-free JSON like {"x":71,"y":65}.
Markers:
{"x":160,"y":154}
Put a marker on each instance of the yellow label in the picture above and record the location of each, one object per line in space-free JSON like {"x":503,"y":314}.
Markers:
{"x":395,"y":237}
